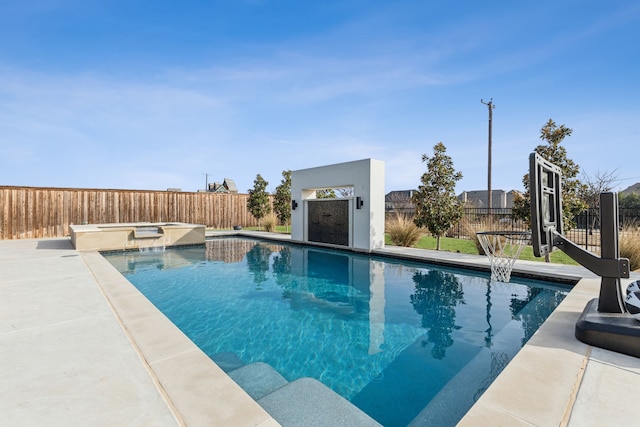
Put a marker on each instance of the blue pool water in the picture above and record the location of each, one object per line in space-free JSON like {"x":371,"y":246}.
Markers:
{"x":399,"y":339}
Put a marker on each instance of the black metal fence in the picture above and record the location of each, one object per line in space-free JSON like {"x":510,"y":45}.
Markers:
{"x":586,"y":232}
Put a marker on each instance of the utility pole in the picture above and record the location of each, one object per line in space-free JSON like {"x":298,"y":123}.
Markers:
{"x":489,"y":195}
{"x":206,"y":181}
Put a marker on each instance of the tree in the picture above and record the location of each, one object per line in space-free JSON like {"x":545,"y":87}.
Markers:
{"x":572,"y":188}
{"x":334,"y":193}
{"x":437,"y":207}
{"x":258,"y":201}
{"x":282,"y":199}
{"x":436,"y":295}
{"x":591,"y":189}
{"x":600,"y":182}
{"x":629,"y":200}
{"x":325,"y":193}
{"x":345,"y":192}
{"x":258,"y":263}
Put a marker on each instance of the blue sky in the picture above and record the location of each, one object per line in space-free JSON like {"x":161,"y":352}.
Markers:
{"x":154,"y":94}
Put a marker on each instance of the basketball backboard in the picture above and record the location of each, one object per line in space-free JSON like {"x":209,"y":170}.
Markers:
{"x":545,"y":188}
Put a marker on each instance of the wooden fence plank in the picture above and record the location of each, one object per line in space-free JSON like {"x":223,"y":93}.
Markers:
{"x":35,"y":212}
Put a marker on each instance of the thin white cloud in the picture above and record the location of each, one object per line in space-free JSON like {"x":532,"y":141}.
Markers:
{"x":64,"y":124}
{"x":307,"y":79}
{"x":87,"y":103}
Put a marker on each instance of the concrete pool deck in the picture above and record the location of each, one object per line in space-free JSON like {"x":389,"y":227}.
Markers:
{"x":79,"y":345}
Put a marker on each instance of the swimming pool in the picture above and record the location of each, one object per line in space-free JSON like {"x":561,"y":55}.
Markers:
{"x":399,"y":339}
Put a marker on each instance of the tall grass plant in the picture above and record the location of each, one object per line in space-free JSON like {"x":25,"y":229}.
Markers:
{"x":630,"y":245}
{"x":471,"y":228}
{"x":402,"y":231}
{"x":270,"y":222}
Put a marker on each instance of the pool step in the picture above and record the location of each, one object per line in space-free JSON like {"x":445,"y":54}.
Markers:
{"x":303,"y":402}
{"x":308,"y":402}
{"x":227,"y":361}
{"x":258,"y":379}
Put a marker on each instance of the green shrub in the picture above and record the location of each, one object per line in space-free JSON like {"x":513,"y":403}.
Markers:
{"x":402,"y":231}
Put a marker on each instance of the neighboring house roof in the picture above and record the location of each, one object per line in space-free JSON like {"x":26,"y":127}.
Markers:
{"x":478,"y":198}
{"x":399,"y":196}
{"x":227,"y":186}
{"x":230,"y":185}
{"x":216,"y":187}
{"x":500,"y":198}
{"x":399,"y":200}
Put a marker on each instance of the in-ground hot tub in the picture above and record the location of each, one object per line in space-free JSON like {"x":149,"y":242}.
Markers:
{"x":139,"y":235}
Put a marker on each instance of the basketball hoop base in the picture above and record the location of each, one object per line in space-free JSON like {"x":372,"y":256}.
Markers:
{"x":617,"y":332}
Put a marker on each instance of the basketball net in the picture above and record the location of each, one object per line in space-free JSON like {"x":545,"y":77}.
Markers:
{"x":503,"y":249}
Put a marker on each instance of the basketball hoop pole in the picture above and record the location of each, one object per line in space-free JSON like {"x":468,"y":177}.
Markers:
{"x":610,"y":267}
{"x":611,"y":300}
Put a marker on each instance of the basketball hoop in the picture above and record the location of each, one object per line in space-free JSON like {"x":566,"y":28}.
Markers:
{"x":503,"y":248}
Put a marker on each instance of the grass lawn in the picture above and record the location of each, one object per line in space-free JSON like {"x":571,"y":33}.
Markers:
{"x":462,"y":246}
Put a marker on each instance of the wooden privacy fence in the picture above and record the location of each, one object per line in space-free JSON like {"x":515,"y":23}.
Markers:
{"x":34,"y":212}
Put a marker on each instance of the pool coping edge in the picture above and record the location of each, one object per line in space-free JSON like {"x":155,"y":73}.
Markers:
{"x":182,"y":373}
